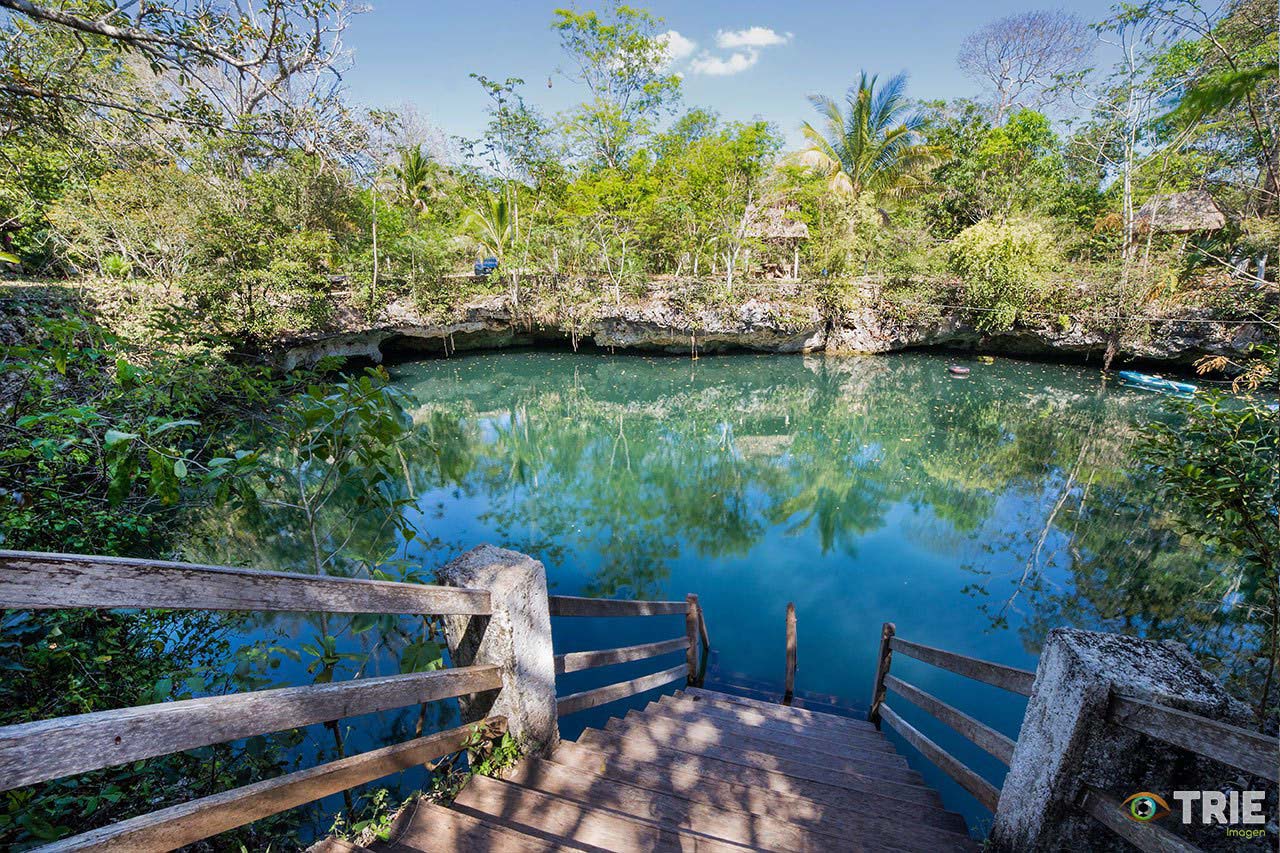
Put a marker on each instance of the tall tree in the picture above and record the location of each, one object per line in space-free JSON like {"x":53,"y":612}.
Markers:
{"x":262,"y":68}
{"x":622,"y":60}
{"x":875,"y":146}
{"x":1020,"y":58}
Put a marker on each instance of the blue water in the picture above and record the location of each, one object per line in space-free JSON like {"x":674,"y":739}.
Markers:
{"x":864,"y":490}
{"x":975,"y":513}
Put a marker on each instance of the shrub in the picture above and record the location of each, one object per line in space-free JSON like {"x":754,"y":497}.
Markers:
{"x":1002,"y":264}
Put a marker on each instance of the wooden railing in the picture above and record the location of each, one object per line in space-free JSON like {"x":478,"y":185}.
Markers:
{"x":43,"y":750}
{"x":789,"y":678}
{"x":990,"y":740}
{"x":1254,"y":753}
{"x":1249,"y":751}
{"x":692,"y":670}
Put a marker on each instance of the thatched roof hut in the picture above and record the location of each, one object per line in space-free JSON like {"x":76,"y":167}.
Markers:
{"x":774,"y":223}
{"x":1181,"y":213}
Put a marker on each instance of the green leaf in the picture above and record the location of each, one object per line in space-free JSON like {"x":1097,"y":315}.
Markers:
{"x":421,"y":657}
{"x":115,"y":436}
{"x":174,"y":425}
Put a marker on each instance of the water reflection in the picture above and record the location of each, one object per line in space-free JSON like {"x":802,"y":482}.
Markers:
{"x":976,"y":513}
{"x":618,"y":470}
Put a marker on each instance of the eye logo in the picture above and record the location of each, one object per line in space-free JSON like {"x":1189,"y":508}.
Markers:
{"x":1145,"y":807}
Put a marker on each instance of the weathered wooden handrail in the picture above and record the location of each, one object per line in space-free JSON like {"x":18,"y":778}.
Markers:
{"x":40,"y":581}
{"x":883,"y":661}
{"x":997,"y":675}
{"x":982,"y":790}
{"x":575,"y":702}
{"x":691,"y":619}
{"x":192,"y":821}
{"x":1147,"y":837}
{"x":789,"y":680}
{"x":577,"y":661}
{"x":568,"y":605}
{"x":692,"y":669}
{"x":50,"y":749}
{"x":1246,"y":750}
{"x":987,"y":738}
{"x":978,"y":732}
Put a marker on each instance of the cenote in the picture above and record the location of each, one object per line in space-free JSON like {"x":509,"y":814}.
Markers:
{"x":976,"y":513}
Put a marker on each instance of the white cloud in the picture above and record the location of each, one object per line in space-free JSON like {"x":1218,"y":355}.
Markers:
{"x":718,"y":66}
{"x":750,"y":37}
{"x":677,"y":46}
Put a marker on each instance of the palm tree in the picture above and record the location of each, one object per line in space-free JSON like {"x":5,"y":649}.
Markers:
{"x":492,"y":225}
{"x":414,"y":176}
{"x":874,"y":147}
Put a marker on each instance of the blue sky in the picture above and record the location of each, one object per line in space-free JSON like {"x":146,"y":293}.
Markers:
{"x":420,"y":53}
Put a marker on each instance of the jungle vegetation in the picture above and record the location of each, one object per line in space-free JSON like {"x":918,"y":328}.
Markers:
{"x":180,"y":190}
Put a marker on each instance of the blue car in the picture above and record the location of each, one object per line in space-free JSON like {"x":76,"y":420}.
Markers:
{"x":486,"y":266}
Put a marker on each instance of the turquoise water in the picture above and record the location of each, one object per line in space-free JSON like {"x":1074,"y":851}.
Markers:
{"x":975,"y":513}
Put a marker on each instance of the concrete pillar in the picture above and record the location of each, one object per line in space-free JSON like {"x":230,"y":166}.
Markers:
{"x":1066,"y":742}
{"x":517,"y":637}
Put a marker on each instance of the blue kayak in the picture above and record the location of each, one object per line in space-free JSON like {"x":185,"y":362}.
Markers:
{"x":1157,"y":383}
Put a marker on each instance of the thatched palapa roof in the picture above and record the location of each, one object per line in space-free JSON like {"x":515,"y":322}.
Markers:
{"x":1181,"y":213}
{"x":773,"y":223}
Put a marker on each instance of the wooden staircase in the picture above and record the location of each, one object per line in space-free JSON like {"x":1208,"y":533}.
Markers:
{"x":701,"y":770}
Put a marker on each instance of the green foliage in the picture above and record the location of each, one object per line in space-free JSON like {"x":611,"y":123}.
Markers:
{"x":871,"y":144}
{"x":105,"y":434}
{"x":621,"y":61}
{"x":1217,"y":473}
{"x":79,"y":661}
{"x":1001,"y":265}
{"x":492,"y":225}
{"x":105,"y":438}
{"x":487,"y":752}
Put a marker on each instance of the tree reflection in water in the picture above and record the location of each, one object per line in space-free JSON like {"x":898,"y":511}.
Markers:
{"x":621,"y":467}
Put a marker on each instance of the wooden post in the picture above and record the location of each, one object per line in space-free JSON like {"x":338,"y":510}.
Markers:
{"x":691,"y":631}
{"x":706,"y":640}
{"x":791,"y":655}
{"x":882,"y":669}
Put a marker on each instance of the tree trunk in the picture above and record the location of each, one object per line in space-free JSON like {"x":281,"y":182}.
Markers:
{"x":373,"y":282}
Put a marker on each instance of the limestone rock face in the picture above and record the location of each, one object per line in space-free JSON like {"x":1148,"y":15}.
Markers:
{"x":753,"y":325}
{"x":669,"y":326}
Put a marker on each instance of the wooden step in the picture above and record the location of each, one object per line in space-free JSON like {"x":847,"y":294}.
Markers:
{"x":857,"y":713}
{"x":795,"y":725}
{"x":771,"y":697}
{"x":434,"y":829}
{"x":770,"y":691}
{"x":819,"y":807}
{"x":757,"y":831}
{"x":702,"y":788}
{"x":550,"y":817}
{"x":733,"y":764}
{"x":760,"y":726}
{"x":780,"y":712}
{"x":708,"y":734}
